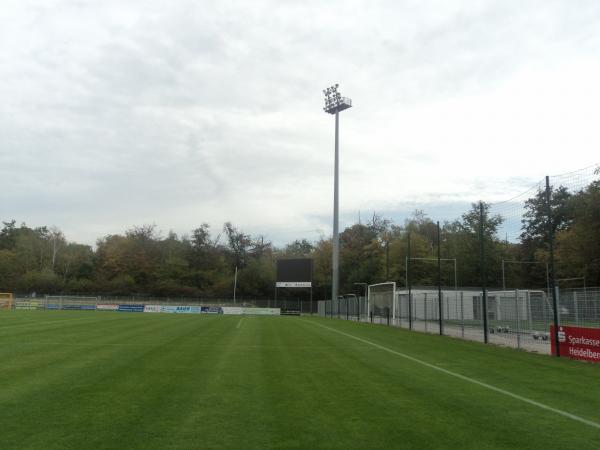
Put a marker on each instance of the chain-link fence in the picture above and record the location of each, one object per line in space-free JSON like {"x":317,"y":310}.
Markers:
{"x":516,"y":318}
{"x":534,"y":260}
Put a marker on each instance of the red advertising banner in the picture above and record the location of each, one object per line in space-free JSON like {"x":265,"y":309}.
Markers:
{"x":577,"y":343}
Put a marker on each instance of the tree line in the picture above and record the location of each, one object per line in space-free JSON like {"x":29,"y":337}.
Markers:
{"x":202,"y":263}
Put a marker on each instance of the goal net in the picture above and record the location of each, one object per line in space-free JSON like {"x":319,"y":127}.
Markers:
{"x":70,"y":302}
{"x":381,"y":300}
{"x":6,"y":300}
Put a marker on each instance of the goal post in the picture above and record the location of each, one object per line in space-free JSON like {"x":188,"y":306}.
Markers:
{"x":6,"y":300}
{"x":381,"y":299}
{"x":70,"y":302}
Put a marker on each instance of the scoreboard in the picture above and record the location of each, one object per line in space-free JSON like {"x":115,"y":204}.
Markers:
{"x":294,"y":273}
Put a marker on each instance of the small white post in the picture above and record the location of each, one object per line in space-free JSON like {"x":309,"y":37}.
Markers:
{"x":462,"y":314}
{"x":529,"y":318}
{"x":576,"y":307}
{"x":425,"y":310}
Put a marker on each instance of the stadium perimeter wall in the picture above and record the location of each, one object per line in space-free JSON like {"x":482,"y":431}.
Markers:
{"x":87,"y":305}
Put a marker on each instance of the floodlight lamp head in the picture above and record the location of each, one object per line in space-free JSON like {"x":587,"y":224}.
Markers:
{"x":334,"y":102}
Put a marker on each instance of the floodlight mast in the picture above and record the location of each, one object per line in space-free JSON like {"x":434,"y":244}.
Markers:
{"x":334,"y":103}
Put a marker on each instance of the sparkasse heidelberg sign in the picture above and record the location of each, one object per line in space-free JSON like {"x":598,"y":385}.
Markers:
{"x":577,"y":343}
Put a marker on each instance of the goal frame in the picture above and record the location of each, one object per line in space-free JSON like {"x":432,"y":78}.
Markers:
{"x":64,"y":301}
{"x":369,"y":297}
{"x":6,"y":300}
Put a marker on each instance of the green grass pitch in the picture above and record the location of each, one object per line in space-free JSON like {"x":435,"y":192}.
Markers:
{"x":100,"y":380}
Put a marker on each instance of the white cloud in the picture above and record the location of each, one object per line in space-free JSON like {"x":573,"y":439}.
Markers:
{"x":178,"y":113}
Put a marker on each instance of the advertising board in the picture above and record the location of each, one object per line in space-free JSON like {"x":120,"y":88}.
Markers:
{"x":107,"y":307}
{"x":152,"y":308}
{"x":577,"y":343}
{"x":75,"y":307}
{"x":180,"y":309}
{"x":33,"y":304}
{"x":130,"y":308}
{"x":262,"y":311}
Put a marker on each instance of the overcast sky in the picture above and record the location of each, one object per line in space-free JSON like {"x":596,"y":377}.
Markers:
{"x":122,"y":113}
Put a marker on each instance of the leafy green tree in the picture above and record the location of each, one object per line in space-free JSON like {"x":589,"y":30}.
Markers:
{"x":142,"y":261}
{"x":8,"y":235}
{"x":299,"y":248}
{"x":578,"y":245}
{"x":534,"y":229}
{"x":40,"y":281}
{"x":257,"y":279}
{"x":75,"y":261}
{"x":360,"y":256}
{"x":461,"y":240}
{"x":9,"y":273}
{"x":322,"y":266}
{"x":239,"y":244}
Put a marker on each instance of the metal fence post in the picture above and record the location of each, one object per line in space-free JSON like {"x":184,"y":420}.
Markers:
{"x":483,"y":273}
{"x":517,"y":316}
{"x":550,"y":226}
{"x":439,"y":242}
{"x":408,"y":283}
{"x":347,"y":312}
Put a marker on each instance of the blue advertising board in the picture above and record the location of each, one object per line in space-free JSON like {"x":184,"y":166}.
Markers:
{"x":55,"y":306}
{"x":180,"y":309}
{"x":78,"y":307}
{"x":131,"y":308}
{"x":212,"y":310}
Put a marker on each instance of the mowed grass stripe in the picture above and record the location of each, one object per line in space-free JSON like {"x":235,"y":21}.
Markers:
{"x":37,"y":369}
{"x":9,"y":327}
{"x":197,"y":381}
{"x":569,"y":384}
{"x":441,"y":412}
{"x":89,"y":389}
{"x":467,"y":379}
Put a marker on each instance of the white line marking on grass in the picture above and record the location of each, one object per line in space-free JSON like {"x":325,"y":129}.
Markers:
{"x":239,"y":323}
{"x":465,"y":378}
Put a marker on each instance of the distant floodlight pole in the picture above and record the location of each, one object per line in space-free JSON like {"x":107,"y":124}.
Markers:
{"x":334,"y":103}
